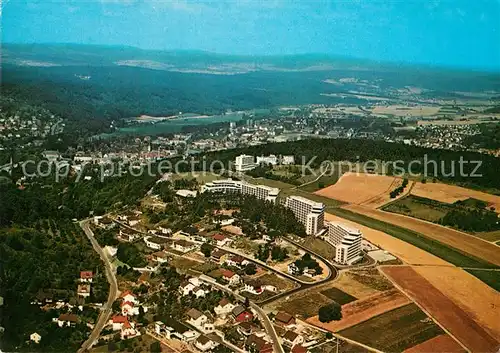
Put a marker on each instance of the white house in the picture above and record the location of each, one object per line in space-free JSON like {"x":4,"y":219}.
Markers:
{"x":160,"y":256}
{"x":83,"y":290}
{"x":183,"y":246}
{"x":153,"y":243}
{"x":237,"y":261}
{"x":186,"y":287}
{"x":175,"y":329}
{"x":35,"y":337}
{"x":128,"y":296}
{"x":127,"y":235}
{"x":86,"y":276}
{"x":196,"y":318}
{"x":254,"y":287}
{"x":66,"y":320}
{"x":230,"y":276}
{"x":204,"y":344}
{"x":129,"y":308}
{"x":221,"y":239}
{"x":224,"y":307}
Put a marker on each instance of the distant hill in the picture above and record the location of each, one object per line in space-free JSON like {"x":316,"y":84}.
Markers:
{"x":104,"y":82}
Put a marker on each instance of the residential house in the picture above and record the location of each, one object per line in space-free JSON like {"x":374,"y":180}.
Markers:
{"x":229,"y":276}
{"x":219,"y":256}
{"x":133,"y":220}
{"x":66,"y":320}
{"x":160,"y":256}
{"x":237,"y":310}
{"x":205,"y":344}
{"x":183,"y":245}
{"x":224,"y":307}
{"x":175,"y":329}
{"x":284,"y":319}
{"x":165,"y":231}
{"x":220,"y":239}
{"x":257,"y":344}
{"x":155,"y":243}
{"x":237,"y":261}
{"x":253,"y":286}
{"x":293,"y":269}
{"x":35,"y":337}
{"x":186,"y":287}
{"x":241,"y":314}
{"x":129,"y":308}
{"x":247,"y":328}
{"x":128,"y":296}
{"x":128,"y":330}
{"x":127,"y":235}
{"x":196,"y":318}
{"x":291,"y":339}
{"x":83,"y":290}
{"x":199,"y":292}
{"x":86,"y":276}
{"x":117,"y":322}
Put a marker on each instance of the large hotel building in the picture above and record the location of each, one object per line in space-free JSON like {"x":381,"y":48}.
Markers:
{"x":347,"y":242}
{"x":310,"y":213}
{"x":228,"y":185}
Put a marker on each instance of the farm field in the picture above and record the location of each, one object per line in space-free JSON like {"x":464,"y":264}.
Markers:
{"x":401,"y":110}
{"x":405,"y":251}
{"x":362,"y":310}
{"x":468,"y":292}
{"x":458,"y":322}
{"x":359,"y":188}
{"x":418,"y":207}
{"x":438,"y":344}
{"x":395,"y":330}
{"x":344,"y":347}
{"x":452,"y":193}
{"x":460,"y":241}
{"x":489,"y":236}
{"x":307,"y":304}
{"x":338,"y":296}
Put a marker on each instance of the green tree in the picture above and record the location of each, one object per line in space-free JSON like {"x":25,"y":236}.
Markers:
{"x":155,"y":347}
{"x":330,"y":312}
{"x":206,"y":249}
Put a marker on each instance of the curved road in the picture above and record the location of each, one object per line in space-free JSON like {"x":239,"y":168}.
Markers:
{"x":106,"y":309}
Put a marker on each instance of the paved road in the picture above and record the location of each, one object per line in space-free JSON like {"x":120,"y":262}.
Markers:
{"x":268,"y":325}
{"x":113,"y":290}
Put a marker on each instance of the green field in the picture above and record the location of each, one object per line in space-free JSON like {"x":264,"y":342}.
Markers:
{"x":419,"y":207}
{"x":491,"y":278}
{"x":338,"y":295}
{"x":395,"y":330}
{"x":306,"y":305}
{"x":432,"y":246}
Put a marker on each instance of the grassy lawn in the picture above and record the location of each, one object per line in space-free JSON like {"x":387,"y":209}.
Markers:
{"x":271,"y":279}
{"x":319,"y":246}
{"x":491,"y":278}
{"x":338,"y":296}
{"x":205,"y":267}
{"x":395,"y":330}
{"x":305,"y":306}
{"x":489,"y":236}
{"x":432,"y":246}
{"x":183,"y":264}
{"x":419,"y":207}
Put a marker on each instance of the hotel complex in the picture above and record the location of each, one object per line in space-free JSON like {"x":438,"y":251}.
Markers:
{"x":259,"y":191}
{"x":310,"y":213}
{"x":244,"y":162}
{"x":347,"y":242}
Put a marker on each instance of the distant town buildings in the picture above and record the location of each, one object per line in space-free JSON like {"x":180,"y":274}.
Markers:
{"x":310,"y":213}
{"x":271,"y":159}
{"x":347,"y":242}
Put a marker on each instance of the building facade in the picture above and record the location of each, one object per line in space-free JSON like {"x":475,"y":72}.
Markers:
{"x":227,"y":185}
{"x":310,"y":213}
{"x":244,"y":162}
{"x":347,"y":242}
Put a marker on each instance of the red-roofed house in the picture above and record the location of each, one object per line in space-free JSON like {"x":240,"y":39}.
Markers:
{"x":237,"y":261}
{"x":244,"y":316}
{"x":86,"y":276}
{"x":128,"y":296}
{"x":230,"y":276}
{"x":129,"y":309}
{"x":220,"y":239}
{"x":117,"y":321}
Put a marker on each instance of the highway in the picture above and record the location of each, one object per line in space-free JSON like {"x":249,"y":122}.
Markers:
{"x":106,"y":309}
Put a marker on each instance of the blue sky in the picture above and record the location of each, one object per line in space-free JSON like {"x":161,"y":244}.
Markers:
{"x":456,"y":33}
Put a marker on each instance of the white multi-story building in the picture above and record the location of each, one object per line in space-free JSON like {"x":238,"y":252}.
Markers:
{"x":287,"y":160}
{"x":310,"y":213}
{"x":262,"y":192}
{"x":244,"y":162}
{"x":259,"y":191}
{"x":225,"y":185}
{"x":347,"y":242}
{"x":271,"y":159}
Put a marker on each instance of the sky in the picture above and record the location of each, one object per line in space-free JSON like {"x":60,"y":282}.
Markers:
{"x":452,"y":33}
